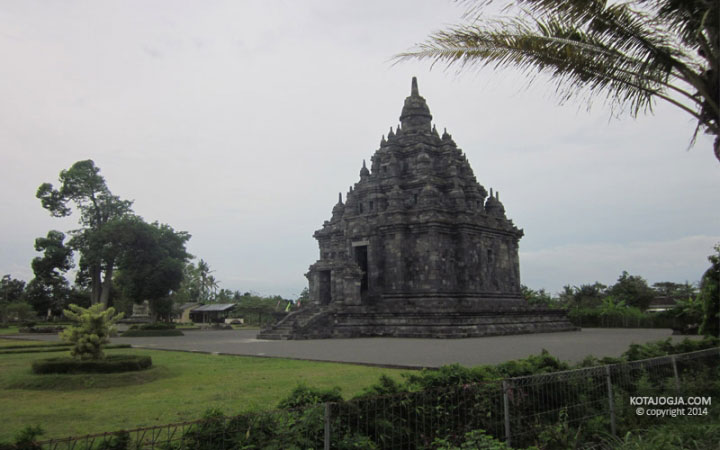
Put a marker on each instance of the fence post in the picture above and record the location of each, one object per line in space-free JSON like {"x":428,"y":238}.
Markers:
{"x":506,"y":411}
{"x":327,"y":426}
{"x":675,"y":372}
{"x":611,"y":401}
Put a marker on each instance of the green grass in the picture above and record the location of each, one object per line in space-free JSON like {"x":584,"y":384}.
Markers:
{"x":15,"y":343}
{"x":179,"y":387}
{"x":12,"y":329}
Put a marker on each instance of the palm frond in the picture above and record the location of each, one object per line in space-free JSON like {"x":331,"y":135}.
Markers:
{"x":633,"y":52}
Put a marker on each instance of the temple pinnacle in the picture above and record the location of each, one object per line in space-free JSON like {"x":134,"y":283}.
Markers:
{"x":414,"y":89}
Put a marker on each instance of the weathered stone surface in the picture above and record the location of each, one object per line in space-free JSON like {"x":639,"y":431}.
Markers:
{"x":418,"y":249}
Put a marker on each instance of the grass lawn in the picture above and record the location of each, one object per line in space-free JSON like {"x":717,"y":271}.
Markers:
{"x":180,"y":386}
{"x":4,"y":343}
{"x":12,"y":329}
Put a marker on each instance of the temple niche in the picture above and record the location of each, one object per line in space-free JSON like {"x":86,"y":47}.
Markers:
{"x":418,"y":248}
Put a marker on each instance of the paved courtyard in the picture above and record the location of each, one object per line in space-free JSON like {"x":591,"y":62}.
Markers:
{"x":568,"y":346}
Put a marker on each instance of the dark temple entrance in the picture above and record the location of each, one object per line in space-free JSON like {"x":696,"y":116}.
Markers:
{"x":361,"y":258}
{"x":325,"y":293}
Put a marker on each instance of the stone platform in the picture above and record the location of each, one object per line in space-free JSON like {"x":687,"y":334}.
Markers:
{"x":409,"y":322}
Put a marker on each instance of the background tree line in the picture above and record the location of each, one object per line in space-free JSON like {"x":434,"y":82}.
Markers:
{"x":695,"y":306}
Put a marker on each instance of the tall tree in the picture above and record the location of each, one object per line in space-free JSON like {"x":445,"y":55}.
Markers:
{"x":83,"y":186}
{"x":208,"y":284}
{"x":632,"y":52}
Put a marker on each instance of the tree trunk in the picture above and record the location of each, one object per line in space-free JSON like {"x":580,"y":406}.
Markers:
{"x":107,"y":284}
{"x":95,"y":284}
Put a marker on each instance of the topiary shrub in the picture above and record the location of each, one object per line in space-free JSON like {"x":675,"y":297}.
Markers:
{"x":110,"y":364}
{"x":152,"y":333}
{"x":95,"y":325}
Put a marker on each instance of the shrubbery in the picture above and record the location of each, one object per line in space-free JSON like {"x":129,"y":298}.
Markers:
{"x":154,"y":326}
{"x":95,"y":325}
{"x":152,"y":333}
{"x":47,"y":349}
{"x":42,"y":329}
{"x":110,"y":364}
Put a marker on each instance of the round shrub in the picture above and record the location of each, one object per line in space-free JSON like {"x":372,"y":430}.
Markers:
{"x":151,"y":333}
{"x":110,"y":364}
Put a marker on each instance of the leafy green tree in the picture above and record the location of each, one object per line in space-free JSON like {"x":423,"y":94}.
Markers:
{"x":690,"y":310}
{"x":612,"y":307}
{"x":710,"y":296}
{"x":150,"y":259}
{"x":676,"y":291}
{"x":11,"y":290}
{"x":537,"y":298}
{"x":225,"y":296}
{"x":631,"y":53}
{"x":20,"y":311}
{"x":83,"y":186}
{"x":633,"y":290}
{"x":94,"y":327}
{"x":587,"y":295}
{"x":208,"y":284}
{"x":198,"y":284}
{"x":49,"y":290}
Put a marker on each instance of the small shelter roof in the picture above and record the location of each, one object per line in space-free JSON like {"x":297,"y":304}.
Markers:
{"x":214,"y":307}
{"x":185,"y":306}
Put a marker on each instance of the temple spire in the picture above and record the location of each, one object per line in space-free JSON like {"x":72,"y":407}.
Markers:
{"x":415,"y":116}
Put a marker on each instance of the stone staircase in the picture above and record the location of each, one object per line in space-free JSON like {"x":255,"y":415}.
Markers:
{"x":352,"y":322}
{"x":287,"y":328}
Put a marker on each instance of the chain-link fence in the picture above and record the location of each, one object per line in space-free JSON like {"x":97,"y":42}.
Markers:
{"x":601,"y":399}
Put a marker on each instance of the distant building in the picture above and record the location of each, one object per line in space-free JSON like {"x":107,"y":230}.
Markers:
{"x":659,"y":304}
{"x":213,"y":313}
{"x":184,"y":311}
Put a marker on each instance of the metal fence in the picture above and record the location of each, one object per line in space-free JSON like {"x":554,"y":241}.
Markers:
{"x":516,"y":410}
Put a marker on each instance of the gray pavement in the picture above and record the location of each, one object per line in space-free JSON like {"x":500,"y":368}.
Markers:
{"x":568,"y":346}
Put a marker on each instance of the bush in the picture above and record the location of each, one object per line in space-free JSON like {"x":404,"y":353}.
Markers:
{"x":95,"y":325}
{"x":46,"y":329}
{"x":303,"y":396}
{"x":154,"y":326}
{"x":152,"y":333}
{"x":25,"y":439}
{"x":111,"y":364}
{"x":48,"y":349}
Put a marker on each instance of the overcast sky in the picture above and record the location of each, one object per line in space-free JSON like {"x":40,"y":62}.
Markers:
{"x":240,"y":121}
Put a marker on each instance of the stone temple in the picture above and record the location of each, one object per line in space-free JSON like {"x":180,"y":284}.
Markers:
{"x":418,"y":249}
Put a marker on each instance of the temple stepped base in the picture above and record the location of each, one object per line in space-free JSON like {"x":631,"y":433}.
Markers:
{"x":354,"y":322}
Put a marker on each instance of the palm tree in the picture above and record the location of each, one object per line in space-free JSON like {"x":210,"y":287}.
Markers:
{"x":631,"y":52}
{"x":208,"y":284}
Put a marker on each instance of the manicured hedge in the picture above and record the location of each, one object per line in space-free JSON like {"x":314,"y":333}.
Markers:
{"x":154,"y":326}
{"x":152,"y":333}
{"x":111,"y":364}
{"x":38,"y":345}
{"x":46,"y":330}
{"x":54,"y":348}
